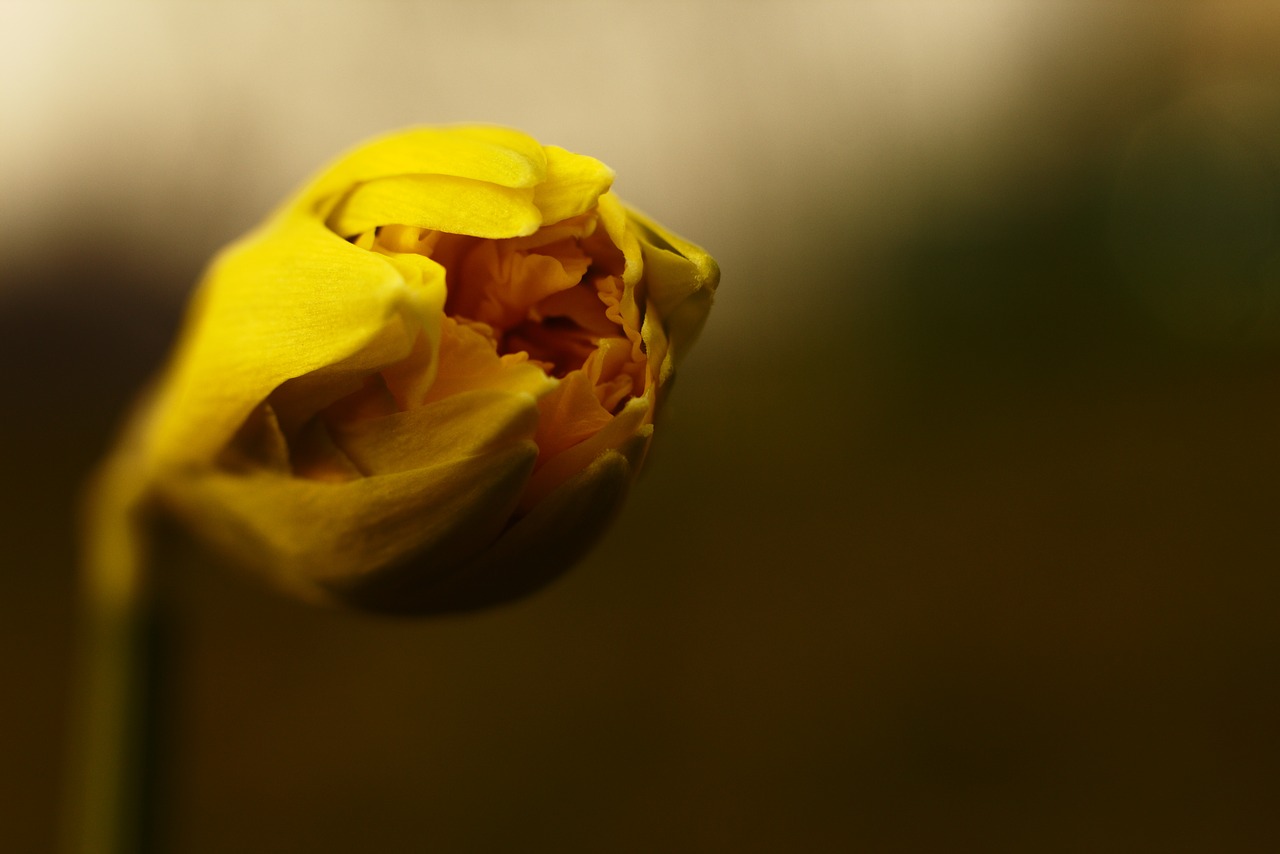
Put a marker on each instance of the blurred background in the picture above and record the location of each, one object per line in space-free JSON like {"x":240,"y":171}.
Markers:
{"x":961,"y":533}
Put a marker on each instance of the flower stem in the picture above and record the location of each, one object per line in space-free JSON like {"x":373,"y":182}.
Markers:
{"x":107,"y":795}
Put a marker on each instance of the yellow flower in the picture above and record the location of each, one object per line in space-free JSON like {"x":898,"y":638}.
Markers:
{"x":426,"y":382}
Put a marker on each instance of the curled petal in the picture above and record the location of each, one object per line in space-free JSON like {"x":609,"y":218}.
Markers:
{"x":321,"y":539}
{"x":681,"y":280}
{"x":291,"y":300}
{"x":631,"y":422}
{"x":493,"y":155}
{"x":439,"y":202}
{"x":573,"y":185}
{"x":543,"y":544}
{"x":464,"y":425}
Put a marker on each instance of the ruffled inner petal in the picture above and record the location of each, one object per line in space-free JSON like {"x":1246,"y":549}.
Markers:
{"x":547,"y":326}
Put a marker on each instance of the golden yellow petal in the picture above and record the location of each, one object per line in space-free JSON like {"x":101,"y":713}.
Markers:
{"x":463,"y":425}
{"x":570,"y":414}
{"x":572,"y":186}
{"x":321,"y":540}
{"x":469,"y":362}
{"x":681,"y":281}
{"x":632,"y":421}
{"x":290,"y":301}
{"x":614,"y":217}
{"x":534,"y":551}
{"x":494,"y":155}
{"x":411,"y":378}
{"x":440,"y":202}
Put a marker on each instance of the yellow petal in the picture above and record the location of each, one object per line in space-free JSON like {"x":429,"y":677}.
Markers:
{"x":570,"y":414}
{"x":322,"y":540}
{"x":681,"y":281}
{"x":534,"y":551}
{"x":464,"y":425}
{"x":411,"y":378}
{"x":614,"y":217}
{"x":292,"y":300}
{"x":660,"y":366}
{"x":469,"y":362}
{"x":493,"y":155}
{"x":632,"y":421}
{"x":705,"y":271}
{"x":440,"y":202}
{"x":572,"y":186}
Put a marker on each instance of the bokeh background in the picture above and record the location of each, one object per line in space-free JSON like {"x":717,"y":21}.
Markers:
{"x":962,"y":533}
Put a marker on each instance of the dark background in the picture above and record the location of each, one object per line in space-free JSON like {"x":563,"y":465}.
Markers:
{"x":960,"y":533}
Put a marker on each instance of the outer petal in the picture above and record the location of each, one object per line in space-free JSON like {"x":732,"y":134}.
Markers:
{"x":292,"y":300}
{"x":321,"y":540}
{"x":681,"y":280}
{"x":614,"y":217}
{"x":440,"y":202}
{"x":573,"y":184}
{"x":506,"y":158}
{"x":656,"y":345}
{"x":426,"y":276}
{"x":530,"y":554}
{"x":631,"y":421}
{"x":464,"y":425}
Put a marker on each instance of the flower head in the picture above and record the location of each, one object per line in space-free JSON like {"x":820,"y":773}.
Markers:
{"x":427,"y":381}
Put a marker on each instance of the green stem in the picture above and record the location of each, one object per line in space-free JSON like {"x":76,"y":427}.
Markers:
{"x":107,"y":795}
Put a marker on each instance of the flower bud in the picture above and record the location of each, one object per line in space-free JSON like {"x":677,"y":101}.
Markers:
{"x":428,"y":380}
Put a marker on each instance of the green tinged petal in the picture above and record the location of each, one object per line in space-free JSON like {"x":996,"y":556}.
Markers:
{"x":631,"y":421}
{"x":614,"y":217}
{"x":320,"y":539}
{"x":464,"y":425}
{"x":493,"y":155}
{"x":534,"y":551}
{"x":681,"y":279}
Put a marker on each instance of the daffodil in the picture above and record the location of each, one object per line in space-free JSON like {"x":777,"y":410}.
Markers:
{"x":425,"y":383}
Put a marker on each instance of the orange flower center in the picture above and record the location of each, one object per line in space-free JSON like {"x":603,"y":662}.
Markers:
{"x":554,"y":299}
{"x":553,"y":295}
